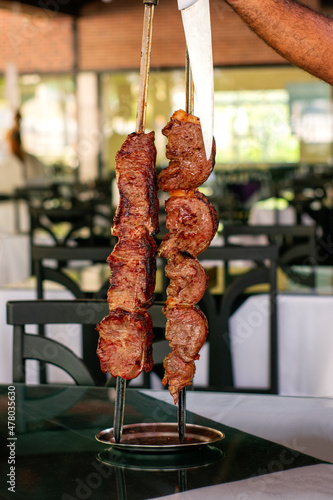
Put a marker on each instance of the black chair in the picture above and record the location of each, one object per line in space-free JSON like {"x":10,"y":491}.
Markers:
{"x":220,"y":359}
{"x":49,"y":219}
{"x":297,"y":246}
{"x":295,"y":241}
{"x":63,"y":255}
{"x":76,"y":311}
{"x":80,"y":220}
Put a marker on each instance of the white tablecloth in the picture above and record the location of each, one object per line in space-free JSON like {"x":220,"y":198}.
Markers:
{"x":302,"y":424}
{"x":261,"y":215}
{"x":70,"y":335}
{"x":15,"y":254}
{"x":306,"y":483}
{"x":14,"y":257}
{"x":305,"y":344}
{"x":14,"y":216}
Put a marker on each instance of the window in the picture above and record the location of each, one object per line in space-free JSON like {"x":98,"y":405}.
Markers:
{"x":253,"y":126}
{"x":49,"y":124}
{"x":255,"y":114}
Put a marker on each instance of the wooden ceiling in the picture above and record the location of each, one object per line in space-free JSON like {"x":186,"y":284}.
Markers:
{"x":70,"y":7}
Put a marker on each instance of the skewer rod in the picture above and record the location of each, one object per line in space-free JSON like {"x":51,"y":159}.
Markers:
{"x":189,"y":92}
{"x":140,"y":127}
{"x":144,"y":67}
{"x":119,"y":409}
{"x":189,"y":87}
{"x":182,"y":414}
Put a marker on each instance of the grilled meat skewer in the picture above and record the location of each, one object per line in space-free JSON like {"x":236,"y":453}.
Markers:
{"x":125,"y":335}
{"x":192,"y":222}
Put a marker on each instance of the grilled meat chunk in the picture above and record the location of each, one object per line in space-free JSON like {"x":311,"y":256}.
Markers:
{"x":133,"y":270}
{"x":178,"y":374}
{"x":137,"y":184}
{"x":125,"y":343}
{"x":186,"y":331}
{"x":188,"y":279}
{"x":188,"y":167}
{"x":192,"y":223}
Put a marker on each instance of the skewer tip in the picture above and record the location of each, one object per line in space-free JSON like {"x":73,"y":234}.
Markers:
{"x":182,"y":414}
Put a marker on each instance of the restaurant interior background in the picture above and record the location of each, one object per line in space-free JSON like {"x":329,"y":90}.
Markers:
{"x":75,"y":80}
{"x":265,"y":374}
{"x":72,"y":69}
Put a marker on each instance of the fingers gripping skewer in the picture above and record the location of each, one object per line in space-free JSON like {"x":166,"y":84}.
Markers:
{"x":140,"y":127}
{"x":189,"y":109}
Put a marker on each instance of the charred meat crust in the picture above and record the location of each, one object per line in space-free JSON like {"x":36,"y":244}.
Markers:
{"x":188,"y":167}
{"x":133,"y":271}
{"x":137,"y":184}
{"x":192,"y":222}
{"x":125,"y":343}
{"x":186,"y":331}
{"x":125,"y":335}
{"x":178,"y":374}
{"x":188,"y":279}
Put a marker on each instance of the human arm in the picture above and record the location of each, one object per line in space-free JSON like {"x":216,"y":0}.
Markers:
{"x":295,"y":31}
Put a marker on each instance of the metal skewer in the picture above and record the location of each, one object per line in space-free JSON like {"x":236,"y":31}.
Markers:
{"x":189,"y":90}
{"x":189,"y":93}
{"x":140,"y":128}
{"x":145,"y":64}
{"x":119,"y":409}
{"x":182,"y":414}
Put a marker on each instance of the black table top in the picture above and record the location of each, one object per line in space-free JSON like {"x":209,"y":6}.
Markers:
{"x":54,"y":454}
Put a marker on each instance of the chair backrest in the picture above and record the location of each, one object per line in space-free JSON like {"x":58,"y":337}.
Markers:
{"x":297,"y":245}
{"x":43,"y":312}
{"x":301,"y":239}
{"x":63,"y":254}
{"x":48,"y":220}
{"x":79,"y":217}
{"x":220,"y":357}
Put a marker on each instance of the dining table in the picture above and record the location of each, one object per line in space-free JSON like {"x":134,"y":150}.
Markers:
{"x":305,"y":343}
{"x":264,"y":446}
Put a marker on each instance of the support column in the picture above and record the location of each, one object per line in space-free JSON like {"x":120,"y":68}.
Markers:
{"x":89,"y":133}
